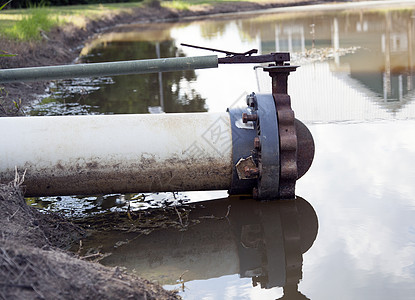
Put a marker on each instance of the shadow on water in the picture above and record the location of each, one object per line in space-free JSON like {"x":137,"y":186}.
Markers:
{"x":263,"y":241}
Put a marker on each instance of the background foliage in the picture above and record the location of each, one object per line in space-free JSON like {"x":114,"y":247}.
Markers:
{"x":29,"y":3}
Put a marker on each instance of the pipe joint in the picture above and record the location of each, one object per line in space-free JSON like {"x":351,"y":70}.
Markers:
{"x":255,"y":148}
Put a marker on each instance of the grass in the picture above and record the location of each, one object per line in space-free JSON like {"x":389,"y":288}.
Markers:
{"x":28,"y":24}
{"x":30,"y":27}
{"x":179,"y":5}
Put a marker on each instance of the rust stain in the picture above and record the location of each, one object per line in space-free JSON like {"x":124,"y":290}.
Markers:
{"x":242,"y":167}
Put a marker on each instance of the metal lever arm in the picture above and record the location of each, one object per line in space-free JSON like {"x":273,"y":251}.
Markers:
{"x":247,"y":57}
{"x":227,"y":53}
{"x":278,"y":58}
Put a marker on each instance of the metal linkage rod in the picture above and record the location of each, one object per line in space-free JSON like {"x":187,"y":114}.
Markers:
{"x":108,"y":68}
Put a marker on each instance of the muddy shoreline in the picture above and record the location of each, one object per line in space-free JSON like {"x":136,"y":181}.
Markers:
{"x":35,"y":265}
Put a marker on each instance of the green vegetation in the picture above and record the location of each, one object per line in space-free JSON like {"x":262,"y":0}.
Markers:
{"x":5,"y":54}
{"x":32,"y":26}
{"x":1,"y":7}
{"x":6,"y":110}
{"x":30,"y":23}
{"x":177,"y":4}
{"x":29,"y":3}
{"x":2,"y":52}
{"x":36,"y":20}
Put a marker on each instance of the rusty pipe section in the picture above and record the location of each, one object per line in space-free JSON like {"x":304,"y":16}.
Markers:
{"x":108,"y":68}
{"x":86,"y":155}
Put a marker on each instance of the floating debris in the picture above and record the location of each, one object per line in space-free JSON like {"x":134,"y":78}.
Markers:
{"x":320,"y":54}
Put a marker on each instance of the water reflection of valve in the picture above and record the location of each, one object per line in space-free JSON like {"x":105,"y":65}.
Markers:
{"x":272,"y":240}
{"x":259,"y":240}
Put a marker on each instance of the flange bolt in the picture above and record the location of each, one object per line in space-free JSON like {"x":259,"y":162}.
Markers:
{"x":251,"y":172}
{"x":257,"y":143}
{"x":251,"y":117}
{"x":251,"y":100}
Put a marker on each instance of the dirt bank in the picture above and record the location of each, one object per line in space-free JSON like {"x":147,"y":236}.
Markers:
{"x":62,"y":45}
{"x":33,"y":266}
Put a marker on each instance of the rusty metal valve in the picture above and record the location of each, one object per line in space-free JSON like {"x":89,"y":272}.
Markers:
{"x":259,"y":150}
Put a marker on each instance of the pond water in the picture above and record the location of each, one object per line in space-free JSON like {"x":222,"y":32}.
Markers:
{"x":353,"y":237}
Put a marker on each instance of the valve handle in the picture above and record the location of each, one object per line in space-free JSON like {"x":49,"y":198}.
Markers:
{"x":246,"y":57}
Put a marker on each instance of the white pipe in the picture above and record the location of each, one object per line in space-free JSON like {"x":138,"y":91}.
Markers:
{"x":67,"y":155}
